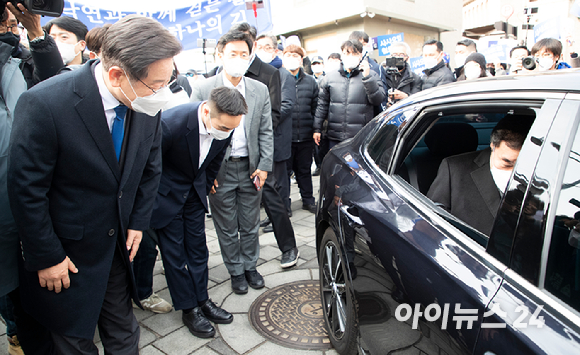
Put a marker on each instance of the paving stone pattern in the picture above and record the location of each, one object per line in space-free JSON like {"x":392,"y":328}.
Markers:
{"x":166,"y":334}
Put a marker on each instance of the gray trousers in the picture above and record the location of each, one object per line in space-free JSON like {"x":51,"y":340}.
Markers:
{"x":235,"y":209}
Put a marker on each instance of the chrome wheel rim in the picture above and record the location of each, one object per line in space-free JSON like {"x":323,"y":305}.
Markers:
{"x":333,"y":289}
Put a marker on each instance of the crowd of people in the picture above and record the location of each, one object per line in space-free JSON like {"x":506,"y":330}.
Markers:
{"x":108,"y":153}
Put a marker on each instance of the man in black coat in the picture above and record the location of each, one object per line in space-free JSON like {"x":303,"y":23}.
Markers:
{"x":436,"y":71}
{"x":84,"y":166}
{"x":399,"y":81}
{"x":470,"y":185}
{"x":195,"y":137}
{"x":302,"y":123}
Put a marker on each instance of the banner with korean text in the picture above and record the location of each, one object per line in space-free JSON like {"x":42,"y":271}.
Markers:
{"x":384,"y":42}
{"x":208,"y":19}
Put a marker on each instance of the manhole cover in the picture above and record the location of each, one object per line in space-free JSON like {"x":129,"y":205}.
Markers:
{"x":291,"y":315}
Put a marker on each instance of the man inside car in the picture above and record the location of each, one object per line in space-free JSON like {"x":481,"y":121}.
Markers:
{"x":470,"y":185}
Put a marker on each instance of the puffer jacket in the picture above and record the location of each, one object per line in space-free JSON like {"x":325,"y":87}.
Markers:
{"x":438,"y":75}
{"x":348,"y":100}
{"x":304,"y":108}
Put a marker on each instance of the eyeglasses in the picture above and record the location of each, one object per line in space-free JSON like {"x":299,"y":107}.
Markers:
{"x":6,"y":28}
{"x":161,"y":88}
{"x":266,"y":48}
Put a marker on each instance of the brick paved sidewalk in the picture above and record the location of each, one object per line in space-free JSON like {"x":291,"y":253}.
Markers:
{"x":166,"y":334}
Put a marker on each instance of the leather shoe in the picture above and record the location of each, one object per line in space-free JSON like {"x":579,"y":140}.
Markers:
{"x":255,"y":280}
{"x":311,"y":208}
{"x":316,"y":172}
{"x":268,"y":229}
{"x":198,"y":324}
{"x":216,"y":314}
{"x":265,"y":222}
{"x":239,"y":284}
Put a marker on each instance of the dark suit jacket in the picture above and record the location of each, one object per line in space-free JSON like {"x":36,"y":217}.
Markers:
{"x":465,"y":187}
{"x":283,"y":132}
{"x":269,"y":76}
{"x":70,"y":197}
{"x":181,"y":161}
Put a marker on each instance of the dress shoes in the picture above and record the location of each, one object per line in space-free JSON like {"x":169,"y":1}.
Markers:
{"x":316,"y":172}
{"x":311,"y":208}
{"x":268,"y":229}
{"x":255,"y":280}
{"x":198,"y":324}
{"x":239,"y":284}
{"x":216,"y":314}
{"x":265,"y":222}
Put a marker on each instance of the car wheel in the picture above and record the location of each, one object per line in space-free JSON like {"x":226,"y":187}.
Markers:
{"x":336,"y":296}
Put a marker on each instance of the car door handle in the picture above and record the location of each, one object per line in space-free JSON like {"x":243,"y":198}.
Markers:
{"x":354,"y":221}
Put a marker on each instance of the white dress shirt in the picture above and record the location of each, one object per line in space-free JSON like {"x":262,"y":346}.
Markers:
{"x":205,"y":139}
{"x":109,"y":101}
{"x":239,"y":142}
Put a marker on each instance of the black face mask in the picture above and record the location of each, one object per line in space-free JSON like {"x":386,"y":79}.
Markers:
{"x":12,"y":40}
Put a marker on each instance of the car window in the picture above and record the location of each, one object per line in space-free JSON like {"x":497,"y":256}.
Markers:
{"x":442,"y":132}
{"x":563,"y":265}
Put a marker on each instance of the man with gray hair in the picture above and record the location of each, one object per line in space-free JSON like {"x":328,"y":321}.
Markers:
{"x":399,"y":79}
{"x":84,"y":168}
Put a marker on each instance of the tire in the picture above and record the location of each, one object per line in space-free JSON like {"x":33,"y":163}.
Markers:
{"x":336,"y":296}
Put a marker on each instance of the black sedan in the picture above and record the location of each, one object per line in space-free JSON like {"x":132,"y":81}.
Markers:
{"x":399,"y":274}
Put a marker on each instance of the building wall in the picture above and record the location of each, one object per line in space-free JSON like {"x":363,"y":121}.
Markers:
{"x":323,"y":25}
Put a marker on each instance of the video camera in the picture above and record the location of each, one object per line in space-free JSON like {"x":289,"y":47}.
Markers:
{"x":52,"y":8}
{"x":394,"y":65}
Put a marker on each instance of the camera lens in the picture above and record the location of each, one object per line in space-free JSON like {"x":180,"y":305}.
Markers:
{"x":529,"y":63}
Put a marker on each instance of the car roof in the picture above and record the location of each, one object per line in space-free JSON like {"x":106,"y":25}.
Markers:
{"x":565,"y":80}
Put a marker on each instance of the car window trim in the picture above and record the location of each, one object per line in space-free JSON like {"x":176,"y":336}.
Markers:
{"x":552,"y":304}
{"x":555,"y":196}
{"x":396,"y":161}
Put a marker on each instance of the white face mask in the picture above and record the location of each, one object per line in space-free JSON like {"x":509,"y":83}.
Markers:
{"x":67,"y":51}
{"x":291,"y":63}
{"x":350,"y":61}
{"x":236,"y":67}
{"x":460,"y":59}
{"x":430,"y":62}
{"x":501,"y":178}
{"x":216,"y":133}
{"x":265,"y":56}
{"x":545,"y":63}
{"x":472,"y":72}
{"x":332,"y":66}
{"x":152,"y":104}
{"x":317,"y":68}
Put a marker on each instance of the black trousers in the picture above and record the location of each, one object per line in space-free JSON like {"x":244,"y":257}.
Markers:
{"x":118,"y":328}
{"x":301,"y":162}
{"x":183,"y":243}
{"x":33,"y":337}
{"x":277,"y":212}
{"x":144,"y":264}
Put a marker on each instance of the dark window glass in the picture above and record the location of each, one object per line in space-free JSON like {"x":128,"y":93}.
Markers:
{"x":563,"y":268}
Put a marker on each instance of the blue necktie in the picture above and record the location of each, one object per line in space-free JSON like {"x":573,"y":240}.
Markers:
{"x":118,"y":130}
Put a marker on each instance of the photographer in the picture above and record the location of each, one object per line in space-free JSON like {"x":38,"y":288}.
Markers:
{"x":398,"y":78}
{"x":347,"y":96}
{"x":43,"y":59}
